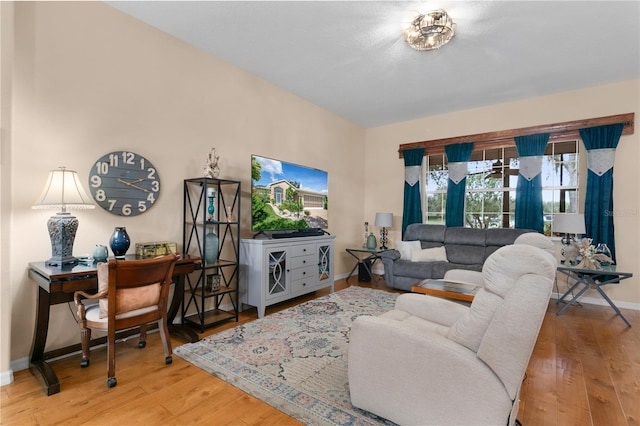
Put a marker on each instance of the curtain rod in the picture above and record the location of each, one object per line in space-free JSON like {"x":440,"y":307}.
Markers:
{"x":559,"y":131}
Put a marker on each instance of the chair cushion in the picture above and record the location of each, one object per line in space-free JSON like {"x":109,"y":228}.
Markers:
{"x":128,"y":299}
{"x":470,"y":328}
{"x":412,"y":322}
{"x":92,"y":313}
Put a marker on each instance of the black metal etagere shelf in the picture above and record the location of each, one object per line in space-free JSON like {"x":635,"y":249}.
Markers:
{"x":211,"y":231}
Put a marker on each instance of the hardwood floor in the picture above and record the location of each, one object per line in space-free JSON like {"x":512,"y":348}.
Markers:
{"x":585,"y":370}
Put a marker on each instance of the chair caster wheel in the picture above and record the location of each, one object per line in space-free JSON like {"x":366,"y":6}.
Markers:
{"x":142,"y":344}
{"x":84,"y":363}
{"x":111,"y":382}
{"x":168,"y":360}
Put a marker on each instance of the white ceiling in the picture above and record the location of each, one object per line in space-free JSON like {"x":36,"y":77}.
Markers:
{"x":349,"y":57}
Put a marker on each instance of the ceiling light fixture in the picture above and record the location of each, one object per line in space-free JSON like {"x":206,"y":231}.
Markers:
{"x":430,"y":30}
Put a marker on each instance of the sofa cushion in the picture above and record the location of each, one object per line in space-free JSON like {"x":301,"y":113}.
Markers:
{"x":417,"y":270}
{"x":465,"y":254}
{"x":429,"y":255}
{"x":425,"y":233}
{"x":465,"y":236}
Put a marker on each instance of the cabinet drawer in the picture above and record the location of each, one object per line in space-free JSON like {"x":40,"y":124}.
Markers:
{"x":307,"y":273}
{"x":302,"y":261}
{"x":302,"y":285}
{"x":302,"y":250}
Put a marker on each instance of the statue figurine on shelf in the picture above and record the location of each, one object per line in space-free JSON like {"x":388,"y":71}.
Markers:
{"x":211,"y":168}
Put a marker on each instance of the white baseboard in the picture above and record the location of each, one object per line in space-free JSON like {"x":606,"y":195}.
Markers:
{"x":6,"y":377}
{"x":601,"y":302}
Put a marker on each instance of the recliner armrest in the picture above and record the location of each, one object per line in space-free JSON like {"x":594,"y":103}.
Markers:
{"x":430,"y":308}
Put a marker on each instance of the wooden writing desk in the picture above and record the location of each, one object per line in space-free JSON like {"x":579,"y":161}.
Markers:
{"x":57,"y":285}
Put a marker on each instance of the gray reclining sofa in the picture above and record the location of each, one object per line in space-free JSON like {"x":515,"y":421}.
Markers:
{"x":466,"y":248}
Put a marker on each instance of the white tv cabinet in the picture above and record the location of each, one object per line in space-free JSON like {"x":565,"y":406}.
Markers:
{"x":275,"y":270}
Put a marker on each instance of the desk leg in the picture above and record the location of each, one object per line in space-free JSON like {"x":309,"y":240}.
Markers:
{"x":38,"y":363}
{"x":179,"y":330}
{"x":615,"y":308}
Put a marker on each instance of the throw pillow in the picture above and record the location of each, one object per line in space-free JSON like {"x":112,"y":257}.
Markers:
{"x":405,"y":247}
{"x":429,"y":255}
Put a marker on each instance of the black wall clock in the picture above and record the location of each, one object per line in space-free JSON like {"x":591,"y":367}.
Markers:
{"x":124,"y":183}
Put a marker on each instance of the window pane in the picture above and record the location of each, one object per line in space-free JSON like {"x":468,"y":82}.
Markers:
{"x":492,"y":180}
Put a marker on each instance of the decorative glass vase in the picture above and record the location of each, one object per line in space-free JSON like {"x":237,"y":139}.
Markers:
{"x":211,"y":247}
{"x":119,"y":242}
{"x":602,"y":248}
{"x":100,"y":253}
{"x":371,"y":242}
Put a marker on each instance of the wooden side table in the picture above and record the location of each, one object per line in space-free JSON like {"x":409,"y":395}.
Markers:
{"x":448,"y":290}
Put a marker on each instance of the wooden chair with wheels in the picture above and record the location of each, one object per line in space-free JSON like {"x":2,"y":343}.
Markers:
{"x":131,"y":293}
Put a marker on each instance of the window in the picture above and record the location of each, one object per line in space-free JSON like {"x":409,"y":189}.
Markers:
{"x":491,"y":185}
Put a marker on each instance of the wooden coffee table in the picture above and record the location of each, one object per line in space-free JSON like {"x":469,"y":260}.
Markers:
{"x":446,"y":289}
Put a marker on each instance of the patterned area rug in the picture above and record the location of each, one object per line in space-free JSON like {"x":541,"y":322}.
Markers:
{"x":295,"y":360}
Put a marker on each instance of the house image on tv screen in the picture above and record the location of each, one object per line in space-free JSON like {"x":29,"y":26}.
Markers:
{"x":297,"y":200}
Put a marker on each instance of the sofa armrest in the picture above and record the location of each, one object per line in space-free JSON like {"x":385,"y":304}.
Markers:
{"x":410,"y":377}
{"x":392,"y":255}
{"x":430,"y":308}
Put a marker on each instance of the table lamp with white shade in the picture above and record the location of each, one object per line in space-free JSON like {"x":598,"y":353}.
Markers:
{"x":63,"y":191}
{"x":384,"y":220}
{"x":569,"y":224}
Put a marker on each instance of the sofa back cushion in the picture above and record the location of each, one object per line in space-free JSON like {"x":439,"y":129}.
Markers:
{"x":426,"y":234}
{"x":465,"y":245}
{"x":499,"y":237}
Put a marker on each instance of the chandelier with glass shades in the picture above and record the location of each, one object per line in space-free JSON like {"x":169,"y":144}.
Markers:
{"x":430,"y":30}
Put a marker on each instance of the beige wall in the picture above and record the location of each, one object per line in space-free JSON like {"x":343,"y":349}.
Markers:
{"x":90,"y":80}
{"x":384,"y":191}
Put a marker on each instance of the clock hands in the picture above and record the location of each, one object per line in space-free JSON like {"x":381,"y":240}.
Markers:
{"x":132,"y":184}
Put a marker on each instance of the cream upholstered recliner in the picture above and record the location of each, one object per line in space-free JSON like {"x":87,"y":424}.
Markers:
{"x":431,"y":361}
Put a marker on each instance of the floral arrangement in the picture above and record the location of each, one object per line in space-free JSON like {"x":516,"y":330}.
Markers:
{"x":582,"y":254}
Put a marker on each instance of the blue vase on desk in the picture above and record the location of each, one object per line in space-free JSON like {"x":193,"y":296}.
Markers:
{"x":119,"y":242}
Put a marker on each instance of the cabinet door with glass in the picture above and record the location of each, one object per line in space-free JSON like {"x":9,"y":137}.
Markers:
{"x":325,"y":262}
{"x":277,"y":274}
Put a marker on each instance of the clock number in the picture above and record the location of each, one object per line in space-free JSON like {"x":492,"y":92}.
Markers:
{"x":142,"y":163}
{"x":128,"y":157}
{"x":102,"y":168}
{"x":100,"y":195}
{"x":152,"y":173}
{"x":155,"y":186}
{"x":142,"y":206}
{"x":126,"y":209}
{"x":151,"y":198}
{"x":112,"y":204}
{"x":113,"y":160}
{"x":96,"y":181}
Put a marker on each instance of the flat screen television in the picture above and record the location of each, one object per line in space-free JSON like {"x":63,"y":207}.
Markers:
{"x":287,"y":197}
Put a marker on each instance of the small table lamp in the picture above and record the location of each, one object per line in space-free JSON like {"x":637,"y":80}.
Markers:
{"x":384,"y":220}
{"x":63,"y":191}
{"x":567,"y":224}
